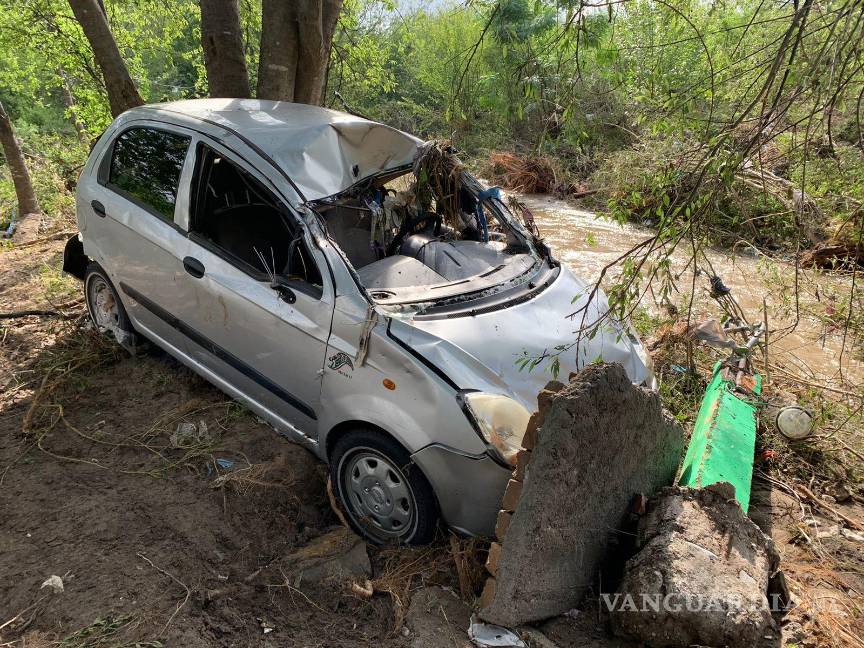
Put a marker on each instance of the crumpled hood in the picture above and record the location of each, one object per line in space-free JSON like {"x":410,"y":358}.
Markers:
{"x":482,"y":351}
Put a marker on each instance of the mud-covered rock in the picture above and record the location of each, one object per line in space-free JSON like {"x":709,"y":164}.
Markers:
{"x":437,"y":618}
{"x":701,"y":575}
{"x":339,"y":555}
{"x":602,"y":441}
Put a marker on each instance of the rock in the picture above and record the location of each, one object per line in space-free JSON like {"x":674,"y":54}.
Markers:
{"x":581,"y":631}
{"x":536,"y":639}
{"x":841,"y":493}
{"x":27,"y":228}
{"x":602,"y":441}
{"x":438,"y":619}
{"x":701,"y":575}
{"x":339,"y":555}
{"x":54,"y":582}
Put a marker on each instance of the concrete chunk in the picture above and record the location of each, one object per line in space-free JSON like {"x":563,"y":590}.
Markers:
{"x":602,"y":441}
{"x":502,"y":523}
{"x":511,"y":495}
{"x":493,"y":558}
{"x":437,"y":619}
{"x":703,"y":569}
{"x":522,"y":459}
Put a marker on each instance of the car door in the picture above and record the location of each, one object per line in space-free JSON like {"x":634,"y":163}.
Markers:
{"x":130,"y":207}
{"x":270,"y":343}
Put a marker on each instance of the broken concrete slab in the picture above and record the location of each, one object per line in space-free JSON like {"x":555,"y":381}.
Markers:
{"x":602,"y":441}
{"x":339,"y":555}
{"x":437,"y":618}
{"x":701,"y":575}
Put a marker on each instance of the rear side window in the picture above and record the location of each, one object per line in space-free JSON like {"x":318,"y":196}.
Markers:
{"x":146,"y":165}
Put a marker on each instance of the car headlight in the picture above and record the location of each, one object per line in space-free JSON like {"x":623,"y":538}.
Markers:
{"x":499,"y":420}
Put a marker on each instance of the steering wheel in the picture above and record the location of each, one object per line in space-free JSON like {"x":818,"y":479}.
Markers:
{"x":410,"y":226}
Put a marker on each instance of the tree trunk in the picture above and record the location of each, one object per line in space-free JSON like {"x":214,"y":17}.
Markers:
{"x":27,"y":203}
{"x":122,"y":93}
{"x":222,"y":40}
{"x":69,"y":102}
{"x":296,"y":39}
{"x":277,"y":60}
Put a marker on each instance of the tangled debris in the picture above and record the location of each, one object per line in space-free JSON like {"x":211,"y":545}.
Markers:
{"x":523,"y":173}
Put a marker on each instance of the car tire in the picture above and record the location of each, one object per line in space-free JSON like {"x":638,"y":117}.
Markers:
{"x":386,"y":496}
{"x":106,"y":310}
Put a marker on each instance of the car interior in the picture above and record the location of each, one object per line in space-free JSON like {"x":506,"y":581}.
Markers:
{"x":233,"y":211}
{"x":399,"y":236}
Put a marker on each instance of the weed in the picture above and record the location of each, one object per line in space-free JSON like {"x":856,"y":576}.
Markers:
{"x":103,"y":632}
{"x":58,"y":285}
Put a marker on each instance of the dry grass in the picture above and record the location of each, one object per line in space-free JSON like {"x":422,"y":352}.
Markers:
{"x":525,"y":173}
{"x":267,"y":475}
{"x":404,"y":570}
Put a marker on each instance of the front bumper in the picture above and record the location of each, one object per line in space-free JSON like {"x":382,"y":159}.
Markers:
{"x":469,"y":487}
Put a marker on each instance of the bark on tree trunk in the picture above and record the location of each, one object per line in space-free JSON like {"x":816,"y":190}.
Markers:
{"x":69,"y":102}
{"x":277,"y":61}
{"x":27,"y":203}
{"x":296,"y":38}
{"x":222,"y":40}
{"x":122,"y":93}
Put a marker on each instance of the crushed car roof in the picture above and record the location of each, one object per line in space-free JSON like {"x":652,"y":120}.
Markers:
{"x":323,"y":151}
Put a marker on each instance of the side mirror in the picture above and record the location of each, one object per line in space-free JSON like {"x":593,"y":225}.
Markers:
{"x":283,"y":289}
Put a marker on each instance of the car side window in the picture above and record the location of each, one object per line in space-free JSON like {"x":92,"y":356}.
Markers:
{"x":146,"y":165}
{"x":234,"y":212}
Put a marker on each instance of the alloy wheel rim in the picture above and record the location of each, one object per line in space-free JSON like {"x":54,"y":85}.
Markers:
{"x":377,"y":494}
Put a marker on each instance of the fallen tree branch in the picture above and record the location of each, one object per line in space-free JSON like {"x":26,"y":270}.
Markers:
{"x":36,"y":313}
{"x":47,"y":239}
{"x":809,"y":495}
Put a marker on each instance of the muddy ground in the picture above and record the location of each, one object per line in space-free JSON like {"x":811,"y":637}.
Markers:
{"x":198,"y":545}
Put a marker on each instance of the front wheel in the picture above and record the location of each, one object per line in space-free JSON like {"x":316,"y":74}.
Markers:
{"x":387,"y":497}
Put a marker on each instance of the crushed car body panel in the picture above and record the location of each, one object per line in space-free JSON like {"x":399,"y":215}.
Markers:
{"x":485,"y":348}
{"x":322,"y":151}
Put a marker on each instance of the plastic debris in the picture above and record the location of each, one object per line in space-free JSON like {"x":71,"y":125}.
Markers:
{"x":54,"y":582}
{"x":224,"y":464}
{"x":487,"y":635}
{"x":189,"y":434}
{"x":710,"y":332}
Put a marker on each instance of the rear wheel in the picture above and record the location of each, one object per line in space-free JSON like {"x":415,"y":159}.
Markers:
{"x":387,"y":497}
{"x":105,"y":308}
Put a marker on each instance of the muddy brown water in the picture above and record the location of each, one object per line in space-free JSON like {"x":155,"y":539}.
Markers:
{"x":587,"y":243}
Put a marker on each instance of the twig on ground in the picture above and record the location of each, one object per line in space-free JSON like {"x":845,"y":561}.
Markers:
{"x":36,"y":312}
{"x":806,"y":492}
{"x":176,"y":580}
{"x":461,"y":569}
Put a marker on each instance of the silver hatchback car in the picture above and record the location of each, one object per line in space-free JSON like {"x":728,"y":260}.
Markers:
{"x":344,"y":283}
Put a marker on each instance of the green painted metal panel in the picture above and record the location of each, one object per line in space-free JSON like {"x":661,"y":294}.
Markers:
{"x":724,"y":439}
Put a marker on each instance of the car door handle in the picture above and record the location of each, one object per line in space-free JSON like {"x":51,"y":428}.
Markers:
{"x":194,"y":267}
{"x":98,"y":207}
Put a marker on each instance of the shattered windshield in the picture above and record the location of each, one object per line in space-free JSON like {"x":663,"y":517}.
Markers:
{"x":428,"y":232}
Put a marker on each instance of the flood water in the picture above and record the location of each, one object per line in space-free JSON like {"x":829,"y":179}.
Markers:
{"x":811,"y":351}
